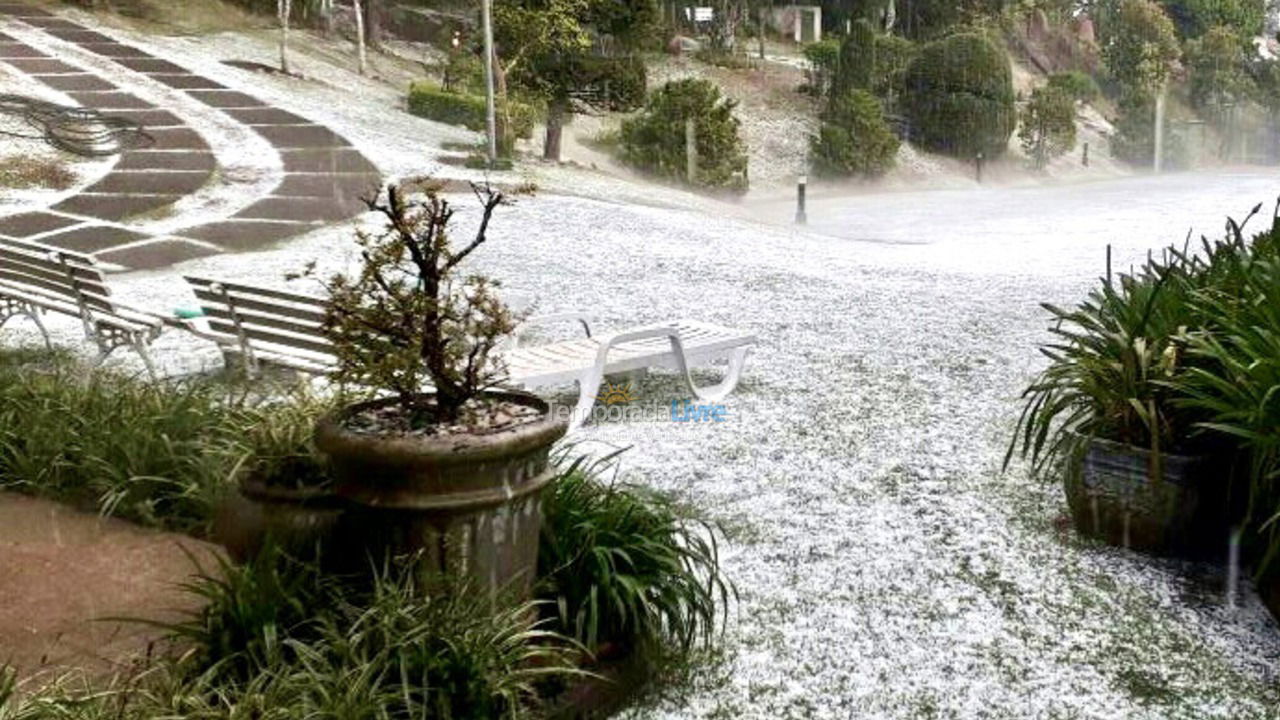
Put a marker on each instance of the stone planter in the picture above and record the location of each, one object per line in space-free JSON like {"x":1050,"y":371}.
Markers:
{"x":1116,"y":495}
{"x":469,"y":503}
{"x":298,"y":519}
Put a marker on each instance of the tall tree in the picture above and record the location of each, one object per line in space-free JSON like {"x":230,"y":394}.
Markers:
{"x":934,"y":18}
{"x":577,"y":56}
{"x":1139,"y":44}
{"x":374,"y":16}
{"x":1048,"y":127}
{"x":360,"y":44}
{"x":1218,"y":61}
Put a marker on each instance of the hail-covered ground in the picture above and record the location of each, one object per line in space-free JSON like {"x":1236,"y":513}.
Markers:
{"x":885,"y":565}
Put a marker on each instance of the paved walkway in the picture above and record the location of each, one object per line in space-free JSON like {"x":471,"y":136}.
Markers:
{"x":62,"y":572}
{"x":324,"y":176}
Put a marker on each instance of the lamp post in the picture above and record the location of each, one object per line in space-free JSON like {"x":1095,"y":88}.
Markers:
{"x":802,"y":218}
{"x":1158,"y":150}
{"x":491,"y":114}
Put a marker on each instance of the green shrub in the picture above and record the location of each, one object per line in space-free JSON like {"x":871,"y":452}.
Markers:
{"x":1139,"y":44}
{"x":1134,"y":140}
{"x":959,"y":97}
{"x":854,"y":138}
{"x":823,"y":57}
{"x":1048,"y":125}
{"x":654,"y":140}
{"x":620,"y":564}
{"x":1080,"y":86}
{"x":1219,"y":77}
{"x":467,"y":110}
{"x":1195,"y":17}
{"x":1107,"y":361}
{"x":462,"y":72}
{"x":724,"y":58}
{"x":279,"y":444}
{"x":1181,"y":357}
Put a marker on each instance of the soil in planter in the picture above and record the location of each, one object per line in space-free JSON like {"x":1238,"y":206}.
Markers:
{"x":480,"y":416}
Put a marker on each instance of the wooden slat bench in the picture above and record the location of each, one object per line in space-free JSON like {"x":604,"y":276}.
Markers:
{"x":264,"y":325}
{"x":35,"y":280}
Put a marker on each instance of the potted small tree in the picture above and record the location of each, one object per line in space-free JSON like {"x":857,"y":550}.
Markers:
{"x":442,"y":462}
{"x":1103,"y":413}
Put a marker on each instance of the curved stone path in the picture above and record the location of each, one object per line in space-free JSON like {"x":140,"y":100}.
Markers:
{"x":324,"y":176}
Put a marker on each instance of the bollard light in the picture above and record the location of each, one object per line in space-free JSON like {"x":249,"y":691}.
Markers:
{"x":801,"y":217}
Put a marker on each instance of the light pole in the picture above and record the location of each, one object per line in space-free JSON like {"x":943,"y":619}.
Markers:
{"x":491,"y":113}
{"x":802,"y":217}
{"x":1158,"y":160}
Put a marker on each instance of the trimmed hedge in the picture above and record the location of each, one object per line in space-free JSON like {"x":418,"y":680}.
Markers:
{"x":959,"y":97}
{"x":871,"y":60}
{"x":434,"y":103}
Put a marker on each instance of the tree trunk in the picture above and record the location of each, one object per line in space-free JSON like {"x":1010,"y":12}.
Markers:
{"x":506,"y":143}
{"x":373,"y":10}
{"x":760,"y":28}
{"x":326,"y":17}
{"x":360,"y":36}
{"x":283,"y":8}
{"x":557,"y":110}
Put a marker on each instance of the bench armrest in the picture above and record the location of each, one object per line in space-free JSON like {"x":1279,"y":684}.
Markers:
{"x":581,"y":318}
{"x":136,"y":314}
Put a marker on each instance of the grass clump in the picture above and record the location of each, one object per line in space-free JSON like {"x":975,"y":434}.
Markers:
{"x":23,"y":172}
{"x":159,"y":454}
{"x":280,"y":448}
{"x":276,"y":640}
{"x":624,"y":566}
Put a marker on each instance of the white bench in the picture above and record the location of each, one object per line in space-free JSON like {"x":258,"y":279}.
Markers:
{"x":263,"y":325}
{"x":35,"y":280}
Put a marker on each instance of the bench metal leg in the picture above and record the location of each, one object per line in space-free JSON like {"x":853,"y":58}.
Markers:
{"x":136,"y":342}
{"x":144,"y":353}
{"x":589,"y":383}
{"x":13,"y":309}
{"x":732,"y":374}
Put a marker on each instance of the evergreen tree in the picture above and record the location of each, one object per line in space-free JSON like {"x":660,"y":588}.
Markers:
{"x":1048,"y":125}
